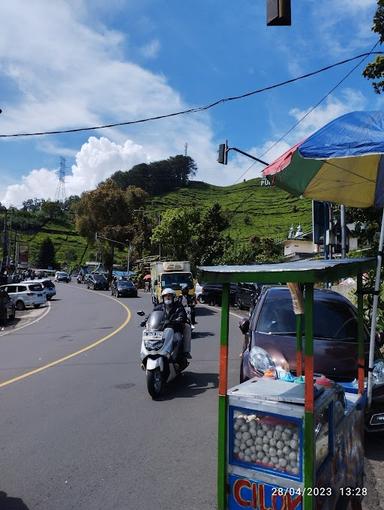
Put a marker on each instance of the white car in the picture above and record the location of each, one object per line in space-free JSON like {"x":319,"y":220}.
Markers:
{"x":62,"y":276}
{"x":47,"y":284}
{"x":26,"y":294}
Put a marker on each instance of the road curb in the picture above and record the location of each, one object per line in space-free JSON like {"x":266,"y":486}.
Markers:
{"x":28,"y":321}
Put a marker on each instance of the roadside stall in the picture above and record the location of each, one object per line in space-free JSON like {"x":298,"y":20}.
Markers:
{"x":291,"y":443}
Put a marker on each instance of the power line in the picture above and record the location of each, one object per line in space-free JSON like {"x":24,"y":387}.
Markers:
{"x":294,"y":126}
{"x":190,"y":110}
{"x":364,"y":55}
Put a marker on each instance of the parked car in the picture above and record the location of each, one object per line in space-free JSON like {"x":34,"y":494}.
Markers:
{"x":26,"y":294}
{"x":123,"y":287}
{"x":211,"y":293}
{"x":270,"y":339}
{"x":48,"y":287}
{"x":62,"y":276}
{"x":9,"y":305}
{"x":247,"y":295}
{"x":97,"y":281}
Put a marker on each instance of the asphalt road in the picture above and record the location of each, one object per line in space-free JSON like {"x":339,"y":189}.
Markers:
{"x":79,"y":430}
{"x":84,"y":434}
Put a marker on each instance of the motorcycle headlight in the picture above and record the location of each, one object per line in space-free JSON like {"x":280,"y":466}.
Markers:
{"x":260,"y":359}
{"x":378,"y":372}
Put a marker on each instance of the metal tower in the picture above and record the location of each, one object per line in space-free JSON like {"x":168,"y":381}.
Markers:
{"x":60,"y":194}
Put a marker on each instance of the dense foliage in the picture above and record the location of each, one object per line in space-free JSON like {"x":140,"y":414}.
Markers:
{"x":46,"y":255}
{"x":375,"y":69}
{"x":158,"y":177}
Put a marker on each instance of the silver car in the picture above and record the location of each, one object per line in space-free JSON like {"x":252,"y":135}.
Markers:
{"x":26,"y":294}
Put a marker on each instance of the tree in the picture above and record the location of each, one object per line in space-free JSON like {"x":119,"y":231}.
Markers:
{"x":159,"y":176}
{"x":192,"y":234}
{"x":46,"y":254}
{"x":175,"y":232}
{"x":110,"y":211}
{"x":375,"y":69}
{"x":51,"y":210}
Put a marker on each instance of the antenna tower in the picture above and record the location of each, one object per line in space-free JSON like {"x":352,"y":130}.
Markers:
{"x":60,"y":194}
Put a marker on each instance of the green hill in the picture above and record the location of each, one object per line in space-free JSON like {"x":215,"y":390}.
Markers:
{"x":252,"y":209}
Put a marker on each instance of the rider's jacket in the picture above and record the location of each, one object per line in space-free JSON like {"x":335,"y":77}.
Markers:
{"x":175,"y":314}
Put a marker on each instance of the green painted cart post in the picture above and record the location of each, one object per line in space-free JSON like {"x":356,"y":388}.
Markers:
{"x":307,"y":273}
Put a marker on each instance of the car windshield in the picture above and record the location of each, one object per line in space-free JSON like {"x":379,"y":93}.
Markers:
{"x":332,"y":319}
{"x":99,"y":277}
{"x":62,"y":274}
{"x":124,"y":283}
{"x":176,"y":280}
{"x":48,"y":284}
{"x":35,"y":287}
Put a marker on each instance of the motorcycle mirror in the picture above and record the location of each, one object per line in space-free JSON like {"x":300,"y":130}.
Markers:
{"x":244,"y":326}
{"x":141,"y":313}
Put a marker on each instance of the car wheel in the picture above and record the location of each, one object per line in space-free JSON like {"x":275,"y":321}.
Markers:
{"x":20,"y":305}
{"x":36,"y":306}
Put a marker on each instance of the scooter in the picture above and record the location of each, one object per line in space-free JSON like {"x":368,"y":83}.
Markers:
{"x":161,"y":357}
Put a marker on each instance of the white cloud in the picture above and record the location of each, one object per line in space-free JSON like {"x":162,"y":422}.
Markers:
{"x":151,"y":50}
{"x":81,"y":78}
{"x":350,"y":100}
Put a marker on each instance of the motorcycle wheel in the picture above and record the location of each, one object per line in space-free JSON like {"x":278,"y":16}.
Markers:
{"x":155,"y":383}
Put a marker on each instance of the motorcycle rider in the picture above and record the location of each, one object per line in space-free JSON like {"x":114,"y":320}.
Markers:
{"x":176,"y":320}
{"x":187,"y":300}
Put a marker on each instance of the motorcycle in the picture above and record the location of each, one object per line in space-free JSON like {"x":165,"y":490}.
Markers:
{"x":162,"y":357}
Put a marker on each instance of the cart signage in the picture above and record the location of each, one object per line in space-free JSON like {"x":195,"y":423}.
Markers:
{"x":245,"y":493}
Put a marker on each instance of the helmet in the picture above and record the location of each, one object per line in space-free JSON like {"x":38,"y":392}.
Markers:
{"x":168,"y":296}
{"x":168,"y":291}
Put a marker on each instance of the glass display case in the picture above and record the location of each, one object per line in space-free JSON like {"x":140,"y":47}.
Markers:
{"x":265,"y":441}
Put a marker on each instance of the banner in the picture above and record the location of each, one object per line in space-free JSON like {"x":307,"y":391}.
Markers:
{"x":22,"y":254}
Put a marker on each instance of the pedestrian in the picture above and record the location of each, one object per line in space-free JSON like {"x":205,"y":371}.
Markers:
{"x":3,"y":308}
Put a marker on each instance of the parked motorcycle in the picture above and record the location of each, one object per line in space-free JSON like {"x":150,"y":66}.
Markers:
{"x":162,"y":357}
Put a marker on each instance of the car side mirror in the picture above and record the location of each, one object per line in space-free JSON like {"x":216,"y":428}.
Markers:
{"x":244,"y":326}
{"x":141,"y":313}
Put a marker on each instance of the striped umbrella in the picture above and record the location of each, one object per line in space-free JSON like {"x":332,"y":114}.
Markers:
{"x":343,"y":163}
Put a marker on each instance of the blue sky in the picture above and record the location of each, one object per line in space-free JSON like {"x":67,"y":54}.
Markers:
{"x":77,"y":63}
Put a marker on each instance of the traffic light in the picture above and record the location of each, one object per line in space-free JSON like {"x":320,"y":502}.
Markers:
{"x":278,"y":12}
{"x":223,"y":153}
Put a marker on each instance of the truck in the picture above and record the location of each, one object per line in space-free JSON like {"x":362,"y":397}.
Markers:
{"x":170,"y":274}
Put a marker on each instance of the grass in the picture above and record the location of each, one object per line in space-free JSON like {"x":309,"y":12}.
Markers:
{"x":252,"y":209}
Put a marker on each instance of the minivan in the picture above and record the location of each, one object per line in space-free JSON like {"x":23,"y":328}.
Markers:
{"x":26,"y":294}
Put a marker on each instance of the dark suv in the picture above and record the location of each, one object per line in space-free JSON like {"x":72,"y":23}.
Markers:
{"x":97,"y":281}
{"x":247,"y":295}
{"x":270,"y":337}
{"x":211,"y":293}
{"x":123,"y":287}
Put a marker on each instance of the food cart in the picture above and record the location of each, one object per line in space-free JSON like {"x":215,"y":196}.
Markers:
{"x":291,"y":445}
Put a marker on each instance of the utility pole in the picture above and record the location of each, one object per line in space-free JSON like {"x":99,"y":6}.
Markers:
{"x":129,"y":252}
{"x":5,"y":242}
{"x":343,"y":232}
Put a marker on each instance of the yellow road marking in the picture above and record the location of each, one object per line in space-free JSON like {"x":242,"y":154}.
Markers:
{"x":69,"y":356}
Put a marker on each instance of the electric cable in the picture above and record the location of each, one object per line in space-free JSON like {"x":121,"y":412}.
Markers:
{"x":190,"y":110}
{"x":365,"y":55}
